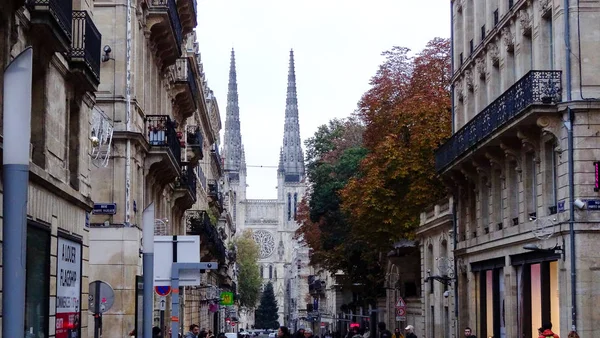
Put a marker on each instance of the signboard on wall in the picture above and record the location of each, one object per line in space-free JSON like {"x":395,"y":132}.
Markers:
{"x":68,"y":289}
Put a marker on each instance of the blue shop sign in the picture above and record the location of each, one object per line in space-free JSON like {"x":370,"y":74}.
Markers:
{"x":105,"y":209}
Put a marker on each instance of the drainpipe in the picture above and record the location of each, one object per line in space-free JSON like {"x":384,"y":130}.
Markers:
{"x":128,"y":117}
{"x":569,"y":126}
{"x":454,"y":245}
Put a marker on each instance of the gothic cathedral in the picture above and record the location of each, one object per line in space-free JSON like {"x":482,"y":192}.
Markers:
{"x":271,"y":220}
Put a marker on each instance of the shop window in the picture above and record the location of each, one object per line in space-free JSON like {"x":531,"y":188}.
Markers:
{"x":491,"y":303}
{"x":531,"y":184}
{"x":37,"y":282}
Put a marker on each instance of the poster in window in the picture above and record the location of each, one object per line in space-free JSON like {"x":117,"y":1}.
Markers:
{"x":68,"y":289}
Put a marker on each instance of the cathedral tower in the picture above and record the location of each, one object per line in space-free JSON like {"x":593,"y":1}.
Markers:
{"x":233,"y":149}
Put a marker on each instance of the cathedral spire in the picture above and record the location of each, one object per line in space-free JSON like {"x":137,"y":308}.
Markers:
{"x":232,"y":151}
{"x":293,"y":157}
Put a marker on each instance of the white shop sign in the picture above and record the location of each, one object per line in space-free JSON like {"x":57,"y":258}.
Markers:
{"x":68,"y":286}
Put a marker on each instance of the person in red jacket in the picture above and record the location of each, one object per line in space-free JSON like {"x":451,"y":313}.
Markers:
{"x":547,"y":331}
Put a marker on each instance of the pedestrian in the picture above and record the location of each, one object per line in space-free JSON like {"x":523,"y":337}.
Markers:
{"x":397,"y":333}
{"x":410,"y":332}
{"x":283,"y":332}
{"x":383,"y":332}
{"x":469,"y":332}
{"x":156,"y":332}
{"x":547,"y":333}
{"x":194,"y":331}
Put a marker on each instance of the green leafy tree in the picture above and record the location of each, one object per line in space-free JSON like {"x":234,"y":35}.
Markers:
{"x":265,"y":316}
{"x":249,"y":280}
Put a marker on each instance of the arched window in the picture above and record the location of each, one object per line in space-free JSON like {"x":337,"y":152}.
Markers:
{"x":262,"y":270}
{"x":275,"y":273}
{"x":270,"y":271}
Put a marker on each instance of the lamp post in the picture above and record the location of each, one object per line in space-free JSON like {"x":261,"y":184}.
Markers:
{"x":15,"y":172}
{"x":148,"y":261}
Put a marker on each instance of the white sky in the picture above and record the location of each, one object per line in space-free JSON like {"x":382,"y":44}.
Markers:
{"x":337,"y":48}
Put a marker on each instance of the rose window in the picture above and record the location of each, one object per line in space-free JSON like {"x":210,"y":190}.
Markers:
{"x":266,"y":243}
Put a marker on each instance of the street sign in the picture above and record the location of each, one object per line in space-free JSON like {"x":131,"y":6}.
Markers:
{"x":226,"y":298}
{"x":400,"y":303}
{"x":162,"y":290}
{"x":400,"y":319}
{"x":187,"y":250}
{"x":101,"y":297}
{"x":401,"y":312}
{"x":162,"y":303}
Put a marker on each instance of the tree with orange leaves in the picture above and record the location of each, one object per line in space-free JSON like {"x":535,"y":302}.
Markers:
{"x":407,"y":116}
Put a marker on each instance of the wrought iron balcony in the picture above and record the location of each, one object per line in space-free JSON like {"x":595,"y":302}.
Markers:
{"x":199,"y":224}
{"x":188,"y":179}
{"x":185,"y":89}
{"x":163,"y":17}
{"x":161,"y":133}
{"x":215,"y":195}
{"x":52,"y":20}
{"x":535,"y":88}
{"x":195,"y":141}
{"x":216,"y":156}
{"x":86,"y":50}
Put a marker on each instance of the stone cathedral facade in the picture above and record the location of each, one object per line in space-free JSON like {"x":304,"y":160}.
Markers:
{"x":271,"y":220}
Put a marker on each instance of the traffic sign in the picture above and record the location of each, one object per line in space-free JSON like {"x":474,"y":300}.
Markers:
{"x":400,"y":303}
{"x":400,"y":312}
{"x":162,"y":290}
{"x":162,"y":303}
{"x":400,"y":318}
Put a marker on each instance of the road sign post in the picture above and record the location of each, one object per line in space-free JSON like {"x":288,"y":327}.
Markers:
{"x":175,"y":269}
{"x":400,"y":310}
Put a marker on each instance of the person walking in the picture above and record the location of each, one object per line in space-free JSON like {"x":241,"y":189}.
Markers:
{"x":194,"y":331}
{"x":469,"y":333}
{"x":410,"y":332}
{"x":383,"y":332}
{"x":547,"y":333}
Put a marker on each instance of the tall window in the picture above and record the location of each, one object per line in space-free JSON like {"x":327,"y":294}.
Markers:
{"x":37,"y":281}
{"x":513,"y":191}
{"x":289,"y":206}
{"x":484,"y":195}
{"x":497,"y":201}
{"x":531,"y":184}
{"x":490,"y":297}
{"x":551,"y":168}
{"x":295,"y":203}
{"x":262,"y":272}
{"x":472,"y":211}
{"x":270,"y":271}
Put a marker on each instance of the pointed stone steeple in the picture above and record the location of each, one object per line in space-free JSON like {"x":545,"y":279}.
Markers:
{"x":232,"y":151}
{"x":293,"y":157}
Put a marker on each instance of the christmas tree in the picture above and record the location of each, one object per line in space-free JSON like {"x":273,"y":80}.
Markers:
{"x":265,"y":317}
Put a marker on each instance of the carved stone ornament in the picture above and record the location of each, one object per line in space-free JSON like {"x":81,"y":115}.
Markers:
{"x":458,"y":86}
{"x":469,"y":79}
{"x":509,"y":39}
{"x":481,"y":67}
{"x":545,"y":8}
{"x":494,"y":53}
{"x":525,"y":21}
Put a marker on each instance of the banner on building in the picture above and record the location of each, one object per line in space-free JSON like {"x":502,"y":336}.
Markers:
{"x":68,"y":289}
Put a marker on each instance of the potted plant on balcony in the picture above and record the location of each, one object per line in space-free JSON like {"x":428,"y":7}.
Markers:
{"x":156,"y":133}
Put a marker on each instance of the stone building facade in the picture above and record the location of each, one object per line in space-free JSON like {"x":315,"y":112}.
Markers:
{"x":273,"y":221}
{"x":435,"y":234}
{"x":164,"y":150}
{"x":65,"y":81}
{"x":521,"y":165}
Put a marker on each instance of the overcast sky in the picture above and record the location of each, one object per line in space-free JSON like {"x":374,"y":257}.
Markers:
{"x":337,"y":48}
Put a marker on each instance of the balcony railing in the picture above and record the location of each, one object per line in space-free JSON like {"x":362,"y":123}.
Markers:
{"x":199,"y":224}
{"x":192,"y":82}
{"x":175,"y":22}
{"x":188,"y":179}
{"x":201,"y":177}
{"x":195,"y":139}
{"x":86,"y":43}
{"x":535,"y":88}
{"x":60,"y":12}
{"x":171,"y":7}
{"x":216,"y":156}
{"x":161,"y":133}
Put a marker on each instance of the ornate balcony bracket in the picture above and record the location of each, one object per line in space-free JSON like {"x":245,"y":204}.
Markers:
{"x":52,"y":22}
{"x":164,"y":27}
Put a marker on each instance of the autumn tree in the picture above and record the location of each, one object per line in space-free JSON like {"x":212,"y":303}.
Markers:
{"x":249,"y":280}
{"x":333,"y":157}
{"x":407,"y":116}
